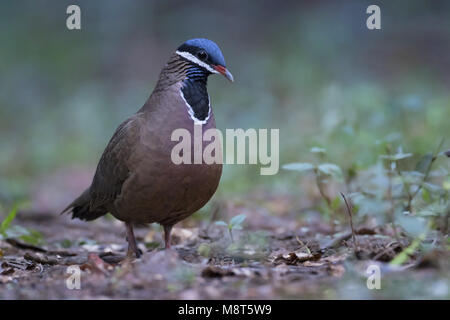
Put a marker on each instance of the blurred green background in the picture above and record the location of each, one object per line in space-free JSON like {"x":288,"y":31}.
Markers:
{"x":310,"y":68}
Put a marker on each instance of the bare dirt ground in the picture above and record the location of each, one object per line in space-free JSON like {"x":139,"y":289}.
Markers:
{"x":275,"y":256}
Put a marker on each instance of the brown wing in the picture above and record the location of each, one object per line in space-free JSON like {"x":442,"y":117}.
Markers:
{"x":112,"y":169}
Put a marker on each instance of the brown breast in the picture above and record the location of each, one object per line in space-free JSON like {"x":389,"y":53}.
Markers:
{"x":157,"y":190}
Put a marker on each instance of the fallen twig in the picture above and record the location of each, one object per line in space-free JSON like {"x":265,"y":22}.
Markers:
{"x":21,"y":245}
{"x":389,"y":248}
{"x":25,"y":246}
{"x":40,"y":258}
{"x":350,"y":213}
{"x":347,"y":235}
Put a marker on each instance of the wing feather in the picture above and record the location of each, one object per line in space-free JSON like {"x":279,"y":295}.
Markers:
{"x":112,"y":169}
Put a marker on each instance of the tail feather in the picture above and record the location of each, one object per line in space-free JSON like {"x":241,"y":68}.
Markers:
{"x":80,"y":208}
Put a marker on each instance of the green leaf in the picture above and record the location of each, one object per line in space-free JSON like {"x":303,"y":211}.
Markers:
{"x":204,"y":250}
{"x":336,"y":203}
{"x":433,"y":188}
{"x":66,"y":243}
{"x":433,"y":210}
{"x":446,"y":184}
{"x":237,"y":220}
{"x":299,"y":166}
{"x":233,"y":247}
{"x":396,"y":157}
{"x":412,"y":177}
{"x":318,"y":150}
{"x":403,"y":256}
{"x":426,"y":195}
{"x":7,"y":222}
{"x":331,"y":170}
{"x":221,"y":223}
{"x":424,"y":163}
{"x":152,"y":245}
{"x":30,"y":236}
{"x":413,"y":225}
{"x":33,"y":237}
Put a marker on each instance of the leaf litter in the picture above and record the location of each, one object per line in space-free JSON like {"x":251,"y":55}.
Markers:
{"x":280,"y":260}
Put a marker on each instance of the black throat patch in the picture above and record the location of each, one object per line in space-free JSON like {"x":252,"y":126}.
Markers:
{"x":195,"y":92}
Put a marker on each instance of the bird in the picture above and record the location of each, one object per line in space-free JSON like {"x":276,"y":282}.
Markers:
{"x":135,"y":180}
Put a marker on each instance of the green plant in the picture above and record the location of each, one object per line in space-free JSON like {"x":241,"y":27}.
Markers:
{"x":433,"y":200}
{"x":323,"y":172}
{"x":7,"y":230}
{"x":5,"y":225}
{"x":415,"y":180}
{"x":403,"y":256}
{"x":235,"y":223}
{"x":416,"y":196}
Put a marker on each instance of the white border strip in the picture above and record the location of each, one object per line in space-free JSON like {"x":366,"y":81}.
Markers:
{"x":191,"y":111}
{"x":195,"y":60}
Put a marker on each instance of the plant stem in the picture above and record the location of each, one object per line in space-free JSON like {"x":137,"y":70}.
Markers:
{"x":425,"y":177}
{"x":327,"y":199}
{"x":350,"y":213}
{"x":390,"y":198}
{"x":231,"y":234}
{"x":447,"y":217}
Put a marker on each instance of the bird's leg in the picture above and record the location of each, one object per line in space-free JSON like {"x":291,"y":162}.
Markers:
{"x":167,"y":237}
{"x":132,"y":245}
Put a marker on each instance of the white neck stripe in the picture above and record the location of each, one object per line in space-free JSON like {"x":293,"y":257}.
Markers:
{"x":195,"y":60}
{"x":191,"y":111}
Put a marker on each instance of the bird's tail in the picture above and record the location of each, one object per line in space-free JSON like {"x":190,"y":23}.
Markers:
{"x":80,"y":208}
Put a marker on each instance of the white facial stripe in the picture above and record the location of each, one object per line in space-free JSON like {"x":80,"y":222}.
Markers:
{"x":195,"y":60}
{"x":191,"y":111}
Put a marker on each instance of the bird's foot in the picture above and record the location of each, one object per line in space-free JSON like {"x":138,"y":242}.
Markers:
{"x":136,"y":252}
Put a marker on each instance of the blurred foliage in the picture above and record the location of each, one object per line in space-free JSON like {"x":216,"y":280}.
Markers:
{"x":412,"y":195}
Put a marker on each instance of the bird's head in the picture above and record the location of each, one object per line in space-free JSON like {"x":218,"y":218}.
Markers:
{"x":205,"y":54}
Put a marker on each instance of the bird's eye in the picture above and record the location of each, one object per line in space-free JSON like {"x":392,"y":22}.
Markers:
{"x":202,"y":55}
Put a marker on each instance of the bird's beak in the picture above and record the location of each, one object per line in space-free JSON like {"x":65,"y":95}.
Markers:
{"x":223,"y":71}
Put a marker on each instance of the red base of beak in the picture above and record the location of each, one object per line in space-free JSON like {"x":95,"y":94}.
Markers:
{"x":223,"y":71}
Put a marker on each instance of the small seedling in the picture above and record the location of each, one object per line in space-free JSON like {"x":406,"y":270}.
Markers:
{"x":322,"y":172}
{"x":234,"y":224}
{"x":8,"y":230}
{"x":5,"y":225}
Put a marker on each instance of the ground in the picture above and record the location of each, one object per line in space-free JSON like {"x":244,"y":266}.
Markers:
{"x":275,"y":256}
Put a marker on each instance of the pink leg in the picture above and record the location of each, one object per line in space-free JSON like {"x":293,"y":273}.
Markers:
{"x":167,"y":237}
{"x":132,"y":245}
